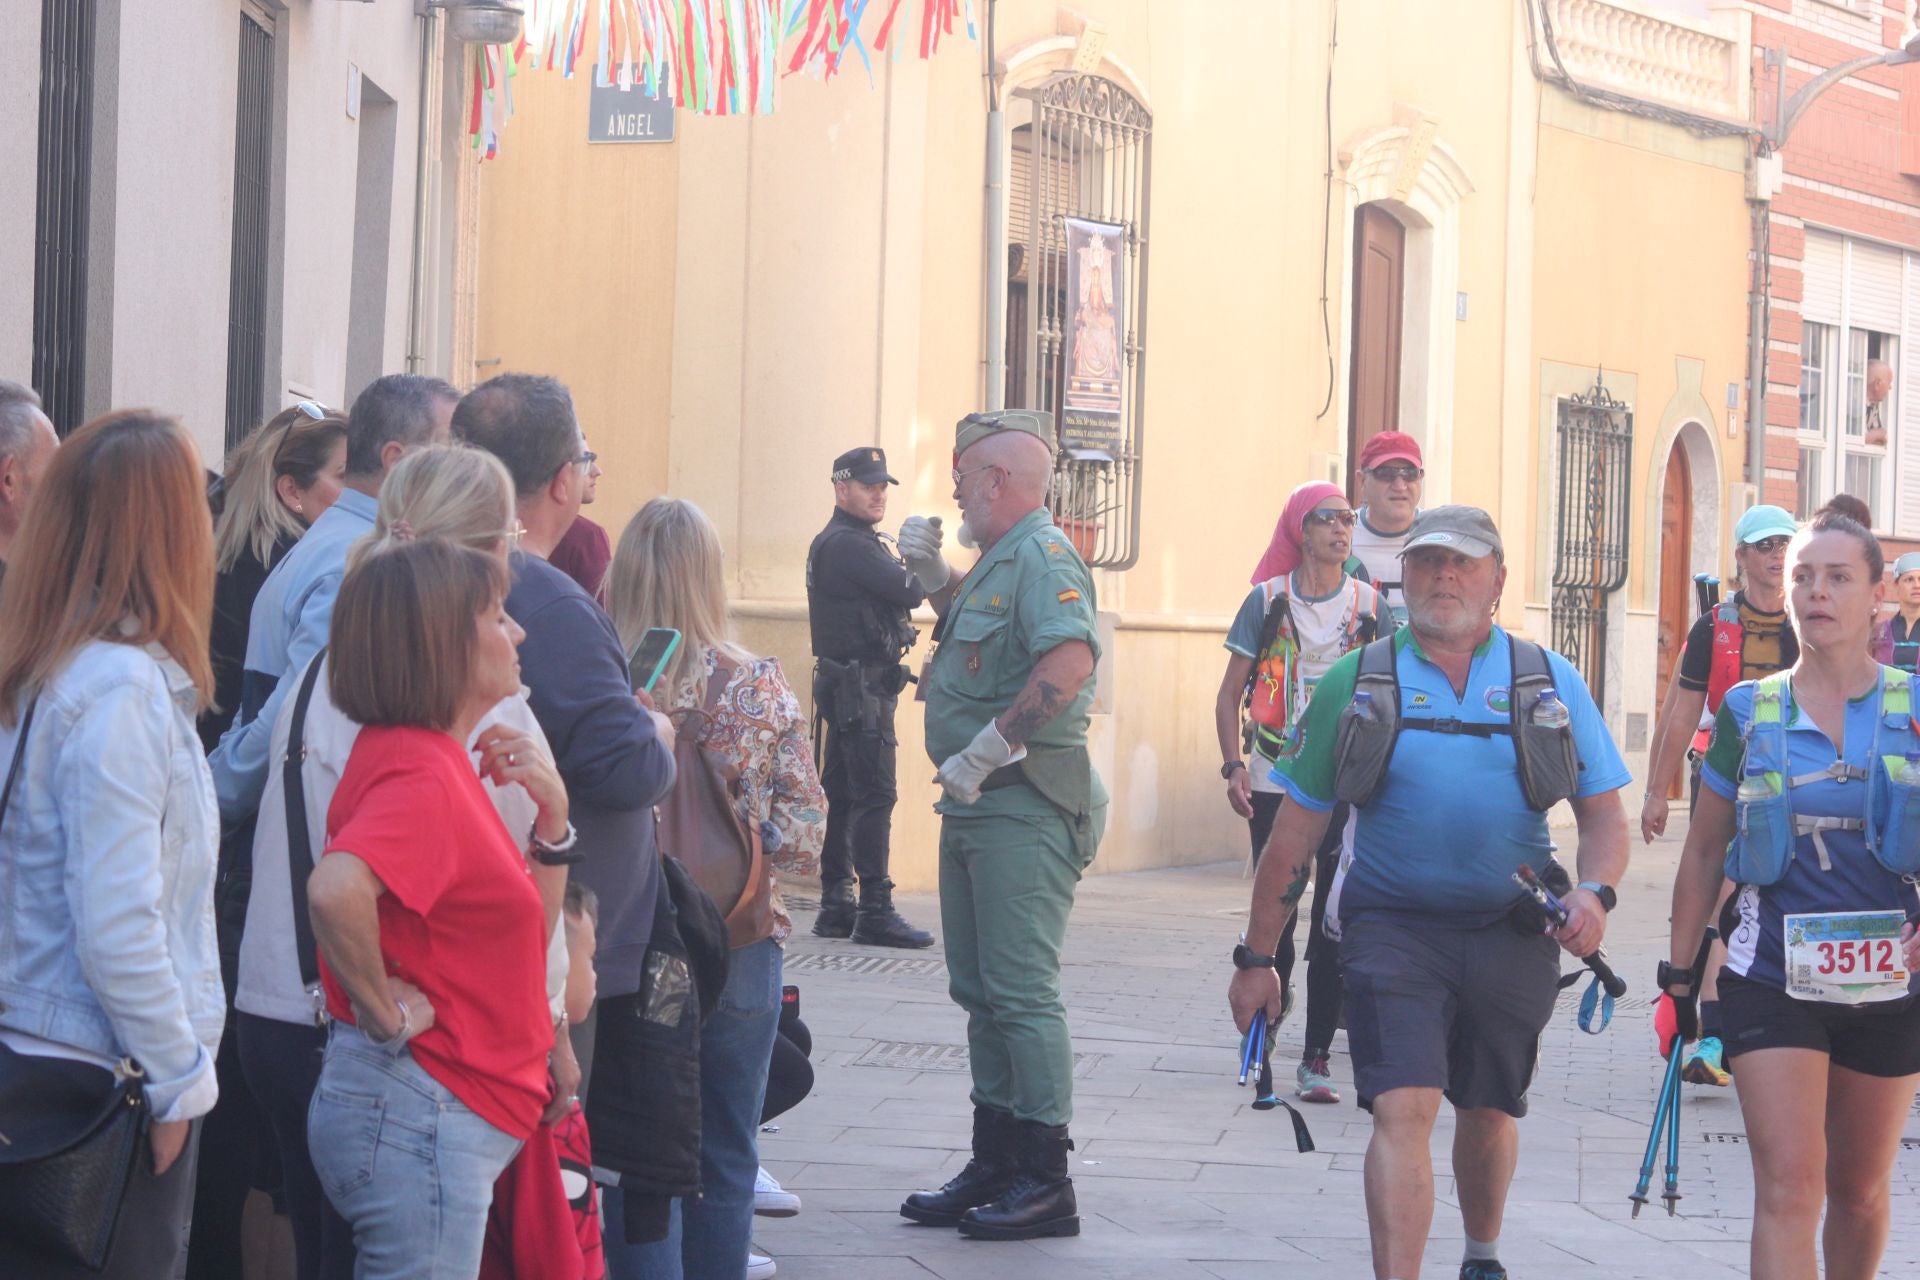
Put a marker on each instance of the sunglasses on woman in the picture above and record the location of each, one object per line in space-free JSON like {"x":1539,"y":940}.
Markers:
{"x":1342,"y":517}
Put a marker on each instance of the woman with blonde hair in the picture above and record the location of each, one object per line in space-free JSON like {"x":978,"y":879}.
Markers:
{"x":108,"y":827}
{"x":278,"y":481}
{"x":443,"y":492}
{"x":667,"y":572}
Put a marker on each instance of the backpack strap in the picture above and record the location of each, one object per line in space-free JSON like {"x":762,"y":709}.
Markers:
{"x":299,"y":843}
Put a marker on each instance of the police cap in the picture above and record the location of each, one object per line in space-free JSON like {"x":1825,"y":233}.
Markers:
{"x":865,"y":465}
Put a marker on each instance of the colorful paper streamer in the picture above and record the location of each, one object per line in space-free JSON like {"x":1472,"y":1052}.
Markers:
{"x":716,"y":57}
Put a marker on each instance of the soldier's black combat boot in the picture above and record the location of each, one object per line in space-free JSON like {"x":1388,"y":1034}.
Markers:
{"x":877,"y":924}
{"x":1039,"y":1201}
{"x":984,"y":1178}
{"x":836,"y":910}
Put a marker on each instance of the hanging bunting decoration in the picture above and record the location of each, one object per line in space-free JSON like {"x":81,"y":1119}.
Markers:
{"x":716,"y":57}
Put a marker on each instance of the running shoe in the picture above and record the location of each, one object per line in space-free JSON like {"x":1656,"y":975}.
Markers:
{"x":771,"y":1200}
{"x":1315,"y":1084}
{"x":1706,"y":1064}
{"x":761,"y":1267}
{"x":1482,"y":1269}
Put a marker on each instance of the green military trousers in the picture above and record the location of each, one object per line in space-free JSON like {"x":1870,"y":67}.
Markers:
{"x":1006,"y":884}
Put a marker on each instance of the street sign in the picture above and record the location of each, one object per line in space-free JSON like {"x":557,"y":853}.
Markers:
{"x":627,"y":115}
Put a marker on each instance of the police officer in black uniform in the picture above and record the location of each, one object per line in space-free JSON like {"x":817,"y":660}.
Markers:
{"x":858,"y":595}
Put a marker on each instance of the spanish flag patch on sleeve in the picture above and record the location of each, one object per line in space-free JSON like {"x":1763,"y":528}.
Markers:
{"x":1069,"y":595}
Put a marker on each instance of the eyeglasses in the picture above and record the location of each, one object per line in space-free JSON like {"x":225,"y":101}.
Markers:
{"x":1387,"y":475}
{"x":1767,"y":546}
{"x":586,"y":459}
{"x":958,"y":476}
{"x":1343,"y":517}
{"x":311,"y":409}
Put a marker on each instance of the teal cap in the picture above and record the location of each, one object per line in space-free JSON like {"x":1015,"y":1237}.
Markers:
{"x":1908,"y":563}
{"x":1763,"y":522}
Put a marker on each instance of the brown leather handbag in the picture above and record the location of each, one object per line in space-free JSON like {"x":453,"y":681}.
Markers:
{"x":700,"y":823}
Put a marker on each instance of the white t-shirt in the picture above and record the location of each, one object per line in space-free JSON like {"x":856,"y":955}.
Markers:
{"x":1380,"y":553}
{"x":269,"y":985}
{"x":1325,"y":629}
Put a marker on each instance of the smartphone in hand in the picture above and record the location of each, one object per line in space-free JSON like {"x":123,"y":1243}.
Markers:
{"x":650,"y":657}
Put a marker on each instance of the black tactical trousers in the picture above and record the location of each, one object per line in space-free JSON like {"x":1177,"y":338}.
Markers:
{"x":859,"y":781}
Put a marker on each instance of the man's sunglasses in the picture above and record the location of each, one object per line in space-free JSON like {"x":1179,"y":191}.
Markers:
{"x":1342,"y":517}
{"x":1387,"y":475}
{"x":1767,"y":546}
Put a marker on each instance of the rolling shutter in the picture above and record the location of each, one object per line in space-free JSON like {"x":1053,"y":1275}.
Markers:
{"x":1820,"y":292}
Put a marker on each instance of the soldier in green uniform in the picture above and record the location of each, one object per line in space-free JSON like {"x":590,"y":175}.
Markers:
{"x":1007,"y":689}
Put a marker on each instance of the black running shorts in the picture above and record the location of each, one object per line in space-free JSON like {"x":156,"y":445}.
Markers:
{"x":1460,"y":1010}
{"x":1873,"y":1040}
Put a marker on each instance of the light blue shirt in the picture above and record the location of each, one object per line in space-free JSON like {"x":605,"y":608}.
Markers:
{"x":292,"y":617}
{"x":1449,"y":826}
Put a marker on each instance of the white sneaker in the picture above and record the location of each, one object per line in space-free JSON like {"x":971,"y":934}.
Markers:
{"x":760,"y":1266}
{"x":771,"y":1200}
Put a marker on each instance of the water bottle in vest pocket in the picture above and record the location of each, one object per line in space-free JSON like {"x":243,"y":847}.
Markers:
{"x":1764,"y":845}
{"x":1897,"y":843}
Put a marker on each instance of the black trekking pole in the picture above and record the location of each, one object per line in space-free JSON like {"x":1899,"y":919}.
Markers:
{"x":1555,"y":912}
{"x":1666,"y":1111}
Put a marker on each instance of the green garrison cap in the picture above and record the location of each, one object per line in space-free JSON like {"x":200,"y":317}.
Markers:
{"x":975,"y":427}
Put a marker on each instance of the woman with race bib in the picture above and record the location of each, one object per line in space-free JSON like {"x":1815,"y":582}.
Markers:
{"x":1811,"y":790}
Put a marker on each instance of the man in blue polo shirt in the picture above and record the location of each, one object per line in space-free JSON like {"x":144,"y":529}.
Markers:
{"x":1443,"y":997}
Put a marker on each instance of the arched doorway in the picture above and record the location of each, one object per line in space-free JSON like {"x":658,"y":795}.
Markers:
{"x":1676,"y":580}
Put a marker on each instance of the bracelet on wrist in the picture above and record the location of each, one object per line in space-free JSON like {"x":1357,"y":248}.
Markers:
{"x":399,"y":1037}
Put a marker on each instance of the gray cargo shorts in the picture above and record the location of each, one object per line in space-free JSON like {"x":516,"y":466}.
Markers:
{"x":1435,"y":1007}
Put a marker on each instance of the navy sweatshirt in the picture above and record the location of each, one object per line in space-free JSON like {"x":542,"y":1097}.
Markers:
{"x":615,"y":766}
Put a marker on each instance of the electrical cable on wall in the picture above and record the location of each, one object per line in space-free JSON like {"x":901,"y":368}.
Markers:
{"x":1326,"y":211}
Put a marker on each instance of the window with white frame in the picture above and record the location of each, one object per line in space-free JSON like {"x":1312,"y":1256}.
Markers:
{"x":1816,"y":360}
{"x":1854,"y":308}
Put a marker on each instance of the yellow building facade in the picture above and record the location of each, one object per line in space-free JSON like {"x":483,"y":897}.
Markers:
{"x":736,"y":307}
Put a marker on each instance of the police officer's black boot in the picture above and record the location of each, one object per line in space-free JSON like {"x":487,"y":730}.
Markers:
{"x":1039,"y":1201}
{"x":877,"y":924}
{"x":984,"y":1179}
{"x":836,"y":910}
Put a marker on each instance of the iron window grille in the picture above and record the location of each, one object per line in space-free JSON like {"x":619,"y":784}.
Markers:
{"x":1594,"y":438}
{"x":252,"y":199}
{"x":1087,"y":155}
{"x":61,"y":216}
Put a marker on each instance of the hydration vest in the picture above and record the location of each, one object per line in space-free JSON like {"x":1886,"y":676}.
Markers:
{"x":1729,"y":639}
{"x":1769,"y":829}
{"x":1369,"y":728}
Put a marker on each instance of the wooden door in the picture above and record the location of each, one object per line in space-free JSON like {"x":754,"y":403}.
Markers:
{"x":1676,"y":582}
{"x":1379,"y":291}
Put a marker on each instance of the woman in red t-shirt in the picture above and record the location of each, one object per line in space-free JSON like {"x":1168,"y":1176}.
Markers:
{"x":430,"y":929}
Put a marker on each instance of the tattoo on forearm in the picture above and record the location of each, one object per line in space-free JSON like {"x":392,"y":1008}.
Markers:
{"x":1036,"y":707}
{"x":1297,"y":888}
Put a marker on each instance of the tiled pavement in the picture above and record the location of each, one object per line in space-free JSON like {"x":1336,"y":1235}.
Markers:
{"x":1177,"y":1177}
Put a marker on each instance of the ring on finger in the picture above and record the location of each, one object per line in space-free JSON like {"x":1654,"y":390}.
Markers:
{"x":511,"y":758}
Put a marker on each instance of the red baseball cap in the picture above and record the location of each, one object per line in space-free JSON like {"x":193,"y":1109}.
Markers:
{"x":1385,"y":446}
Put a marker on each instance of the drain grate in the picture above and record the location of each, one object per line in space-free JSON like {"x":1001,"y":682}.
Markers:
{"x":1740,"y":1140}
{"x":837,"y":962}
{"x":915,"y":1055}
{"x":1568,"y":1001}
{"x":794,"y":902}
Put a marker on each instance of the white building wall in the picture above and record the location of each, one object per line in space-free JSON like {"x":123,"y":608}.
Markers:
{"x":162,"y":201}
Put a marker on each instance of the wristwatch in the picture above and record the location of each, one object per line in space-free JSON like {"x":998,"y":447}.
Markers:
{"x":1226,"y":770}
{"x":1604,"y":892}
{"x":1668,"y":977}
{"x":1245,"y":957}
{"x":563,"y":854}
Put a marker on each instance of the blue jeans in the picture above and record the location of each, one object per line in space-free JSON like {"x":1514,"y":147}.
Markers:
{"x":707,"y":1238}
{"x":409,"y":1165}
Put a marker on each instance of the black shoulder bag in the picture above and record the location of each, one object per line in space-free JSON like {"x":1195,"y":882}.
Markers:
{"x":69,"y":1134}
{"x":300,"y":844}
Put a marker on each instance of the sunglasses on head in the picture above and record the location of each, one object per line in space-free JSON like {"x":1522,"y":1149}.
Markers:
{"x":1767,"y":546}
{"x":1340,"y":516}
{"x":1389,"y":474}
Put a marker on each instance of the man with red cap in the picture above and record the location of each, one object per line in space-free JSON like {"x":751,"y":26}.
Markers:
{"x":1389,"y":478}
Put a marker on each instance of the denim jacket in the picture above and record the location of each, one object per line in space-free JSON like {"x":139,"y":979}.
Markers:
{"x":107,"y":853}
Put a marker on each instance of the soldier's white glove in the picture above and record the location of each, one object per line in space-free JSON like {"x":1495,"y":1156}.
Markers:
{"x":960,"y":777}
{"x":919,"y":543}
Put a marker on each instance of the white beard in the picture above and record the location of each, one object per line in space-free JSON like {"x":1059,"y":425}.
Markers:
{"x":966,"y":537}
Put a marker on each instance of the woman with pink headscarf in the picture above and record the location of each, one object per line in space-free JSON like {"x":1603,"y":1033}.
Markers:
{"x":1303,"y":613}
